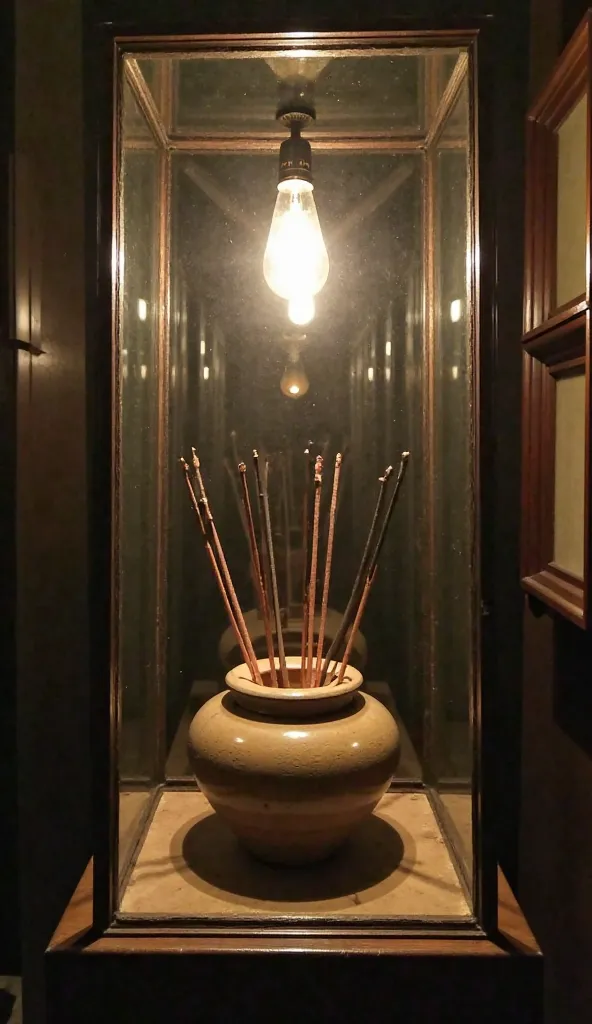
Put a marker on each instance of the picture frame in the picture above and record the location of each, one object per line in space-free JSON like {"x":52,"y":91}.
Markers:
{"x":557,"y":209}
{"x":556,"y":469}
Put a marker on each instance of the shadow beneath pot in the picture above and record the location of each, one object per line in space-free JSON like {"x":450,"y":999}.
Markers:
{"x":368,"y":858}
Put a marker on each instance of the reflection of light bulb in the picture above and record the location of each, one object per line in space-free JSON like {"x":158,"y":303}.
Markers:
{"x":294,"y":382}
{"x":142,"y":309}
{"x":301,"y":309}
{"x":296,"y":264}
{"x":455,"y":310}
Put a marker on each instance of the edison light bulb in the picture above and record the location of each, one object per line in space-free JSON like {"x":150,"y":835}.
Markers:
{"x":296,"y":264}
{"x":294,"y":382}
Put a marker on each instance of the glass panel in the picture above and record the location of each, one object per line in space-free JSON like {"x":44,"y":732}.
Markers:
{"x":235,"y":363}
{"x":450,"y":753}
{"x":364,"y":93}
{"x":137,"y":340}
{"x":571,"y":204}
{"x":384,"y":365}
{"x":570,"y":472}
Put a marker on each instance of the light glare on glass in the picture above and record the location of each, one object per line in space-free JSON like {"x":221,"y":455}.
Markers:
{"x":455,"y":310}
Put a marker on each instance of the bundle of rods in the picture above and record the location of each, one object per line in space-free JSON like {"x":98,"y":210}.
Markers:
{"x":315,"y":671}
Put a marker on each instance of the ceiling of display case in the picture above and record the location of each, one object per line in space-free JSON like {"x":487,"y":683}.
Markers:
{"x":350,"y":92}
{"x":366,"y":94}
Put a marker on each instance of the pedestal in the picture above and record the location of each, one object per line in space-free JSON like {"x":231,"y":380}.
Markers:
{"x":190,"y":980}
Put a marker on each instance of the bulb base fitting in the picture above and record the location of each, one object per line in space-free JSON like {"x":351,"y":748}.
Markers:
{"x":295,"y":159}
{"x":295,"y":152}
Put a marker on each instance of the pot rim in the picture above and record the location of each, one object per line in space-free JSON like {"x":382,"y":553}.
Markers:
{"x":239,"y":680}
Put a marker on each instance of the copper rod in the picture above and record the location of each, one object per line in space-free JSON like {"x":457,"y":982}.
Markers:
{"x":385,"y":524}
{"x":356,"y":624}
{"x":305,"y":561}
{"x":359,"y":581}
{"x":375,"y":554}
{"x":288,"y":548}
{"x":257,"y":572}
{"x":328,"y":561}
{"x":303,"y":639}
{"x":217,"y":573}
{"x":210,"y":524}
{"x":312,"y":586}
{"x":268,"y":549}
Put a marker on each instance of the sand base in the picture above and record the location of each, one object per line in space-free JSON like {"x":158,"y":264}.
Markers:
{"x":395,"y":866}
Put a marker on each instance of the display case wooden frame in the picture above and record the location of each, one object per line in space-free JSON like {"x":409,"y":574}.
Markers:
{"x":548,"y":358}
{"x":106,"y":41}
{"x":568,"y":84}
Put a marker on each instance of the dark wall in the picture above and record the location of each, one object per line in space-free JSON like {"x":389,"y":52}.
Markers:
{"x":555,"y":885}
{"x":53,"y":785}
{"x":9,"y":922}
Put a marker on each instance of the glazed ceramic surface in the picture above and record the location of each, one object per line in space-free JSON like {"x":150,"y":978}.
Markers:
{"x":293,"y":771}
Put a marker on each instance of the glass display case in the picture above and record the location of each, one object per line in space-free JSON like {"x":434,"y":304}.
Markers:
{"x":195,"y":349}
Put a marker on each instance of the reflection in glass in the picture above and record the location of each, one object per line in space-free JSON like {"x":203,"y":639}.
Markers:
{"x":450,"y":745}
{"x":138,"y":328}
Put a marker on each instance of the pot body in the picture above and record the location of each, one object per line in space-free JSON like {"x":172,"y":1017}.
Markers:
{"x":293,"y":776}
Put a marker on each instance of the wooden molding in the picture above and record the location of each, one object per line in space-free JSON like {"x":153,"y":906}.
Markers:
{"x":570,"y":80}
{"x":547,"y":358}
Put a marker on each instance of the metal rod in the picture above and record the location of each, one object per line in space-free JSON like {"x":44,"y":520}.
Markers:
{"x":288,"y":547}
{"x":359,"y":581}
{"x":314,"y":554}
{"x":217,"y":573}
{"x":268,"y":548}
{"x":307,"y":519}
{"x":328,"y":561}
{"x":375,"y":554}
{"x":356,"y":624}
{"x":210,"y":524}
{"x":257,"y":572}
{"x":385,"y":524}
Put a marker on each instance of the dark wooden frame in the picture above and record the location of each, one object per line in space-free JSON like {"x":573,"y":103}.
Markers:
{"x":570,"y":80}
{"x":552,"y":335}
{"x":103,"y":51}
{"x":546,"y":357}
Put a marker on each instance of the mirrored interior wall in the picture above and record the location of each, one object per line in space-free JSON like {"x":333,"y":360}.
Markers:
{"x":207,"y":356}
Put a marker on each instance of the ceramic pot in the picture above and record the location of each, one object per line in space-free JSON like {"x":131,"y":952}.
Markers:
{"x":293,"y":771}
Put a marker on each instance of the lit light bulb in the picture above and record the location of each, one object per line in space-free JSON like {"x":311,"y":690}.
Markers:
{"x":294,"y":382}
{"x":301,"y":309}
{"x":295,"y":263}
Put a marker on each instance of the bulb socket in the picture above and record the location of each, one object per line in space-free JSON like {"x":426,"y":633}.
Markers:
{"x":295,"y":152}
{"x":295,"y":159}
